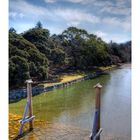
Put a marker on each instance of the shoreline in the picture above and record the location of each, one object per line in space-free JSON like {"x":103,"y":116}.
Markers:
{"x":18,"y":94}
{"x":69,"y":77}
{"x":126,"y":65}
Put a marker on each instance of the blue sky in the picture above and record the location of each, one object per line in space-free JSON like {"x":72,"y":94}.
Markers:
{"x":109,"y":19}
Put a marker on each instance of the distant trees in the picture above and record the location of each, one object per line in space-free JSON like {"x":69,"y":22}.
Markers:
{"x":39,"y":25}
{"x":85,"y":49}
{"x":38,"y":55}
{"x":73,"y":40}
{"x":120,"y":52}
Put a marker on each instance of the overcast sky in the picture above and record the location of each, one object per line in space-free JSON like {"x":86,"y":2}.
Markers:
{"x":109,"y":19}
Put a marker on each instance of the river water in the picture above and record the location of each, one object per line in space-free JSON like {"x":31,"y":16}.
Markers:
{"x":74,"y":105}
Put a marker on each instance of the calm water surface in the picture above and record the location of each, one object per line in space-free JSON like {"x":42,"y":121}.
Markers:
{"x":74,"y":105}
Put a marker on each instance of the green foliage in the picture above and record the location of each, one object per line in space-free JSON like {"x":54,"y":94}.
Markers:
{"x":39,"y":24}
{"x":43,"y":74}
{"x":122,"y":51}
{"x":38,"y":55}
{"x":12,"y":30}
{"x":36,"y":35}
{"x":40,"y":38}
{"x":24,"y":60}
{"x":58,"y":56}
{"x":50,"y":46}
{"x":85,"y":50}
{"x":18,"y":70}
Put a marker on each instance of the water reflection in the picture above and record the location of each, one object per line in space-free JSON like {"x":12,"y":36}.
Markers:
{"x":116,"y":104}
{"x":74,"y":105}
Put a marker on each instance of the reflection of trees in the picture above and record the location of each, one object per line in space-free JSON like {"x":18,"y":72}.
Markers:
{"x":67,"y":101}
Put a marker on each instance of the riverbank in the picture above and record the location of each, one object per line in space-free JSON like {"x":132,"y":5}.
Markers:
{"x":69,"y":77}
{"x":66,"y":79}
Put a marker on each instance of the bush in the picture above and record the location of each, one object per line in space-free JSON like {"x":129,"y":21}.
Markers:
{"x":18,"y":71}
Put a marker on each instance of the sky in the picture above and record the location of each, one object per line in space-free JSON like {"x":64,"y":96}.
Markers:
{"x":108,"y":19}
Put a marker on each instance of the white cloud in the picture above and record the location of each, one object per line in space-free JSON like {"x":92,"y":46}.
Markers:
{"x":75,"y":16}
{"x":50,"y":1}
{"x":102,"y":4}
{"x":117,"y":22}
{"x":73,"y":23}
{"x":72,"y":17}
{"x":114,"y":37}
{"x":116,"y":7}
{"x":80,"y":1}
{"x":21,"y":15}
{"x":101,"y":34}
{"x":123,"y":3}
{"x":22,"y":6}
{"x":72,"y":1}
{"x":117,"y":10}
{"x":23,"y":27}
{"x":15,"y":15}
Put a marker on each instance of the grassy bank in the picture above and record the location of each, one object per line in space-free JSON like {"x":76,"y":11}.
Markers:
{"x":64,"y":79}
{"x":67,"y":77}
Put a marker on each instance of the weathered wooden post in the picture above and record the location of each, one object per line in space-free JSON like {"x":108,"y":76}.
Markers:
{"x":29,"y":88}
{"x":95,"y":135}
{"x":28,"y":106}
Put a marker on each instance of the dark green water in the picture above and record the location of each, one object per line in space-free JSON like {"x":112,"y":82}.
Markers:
{"x":74,"y":105}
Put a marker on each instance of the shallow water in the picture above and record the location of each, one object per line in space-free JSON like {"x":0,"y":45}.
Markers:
{"x":74,"y":105}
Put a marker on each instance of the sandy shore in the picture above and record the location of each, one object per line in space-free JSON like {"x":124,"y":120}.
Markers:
{"x":75,"y":76}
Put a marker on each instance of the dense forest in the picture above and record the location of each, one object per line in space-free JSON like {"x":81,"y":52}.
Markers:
{"x":37,"y":54}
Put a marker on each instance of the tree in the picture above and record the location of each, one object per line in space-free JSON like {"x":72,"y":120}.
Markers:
{"x":23,"y":53}
{"x":51,"y":47}
{"x":39,"y":25}
{"x":12,"y":30}
{"x":37,"y":54}
{"x":19,"y":71}
{"x":43,"y":73}
{"x":58,"y":57}
{"x":120,"y":52}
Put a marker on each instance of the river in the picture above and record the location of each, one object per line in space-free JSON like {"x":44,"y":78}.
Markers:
{"x":74,"y":105}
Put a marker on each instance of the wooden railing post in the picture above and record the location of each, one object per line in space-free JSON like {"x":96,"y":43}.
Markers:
{"x":27,"y":107}
{"x":29,"y":93}
{"x":98,"y":102}
{"x":95,"y":135}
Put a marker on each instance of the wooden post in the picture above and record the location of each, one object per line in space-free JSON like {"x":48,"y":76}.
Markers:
{"x":97,"y":103}
{"x":29,"y":92}
{"x":95,"y":135}
{"x":28,"y":107}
